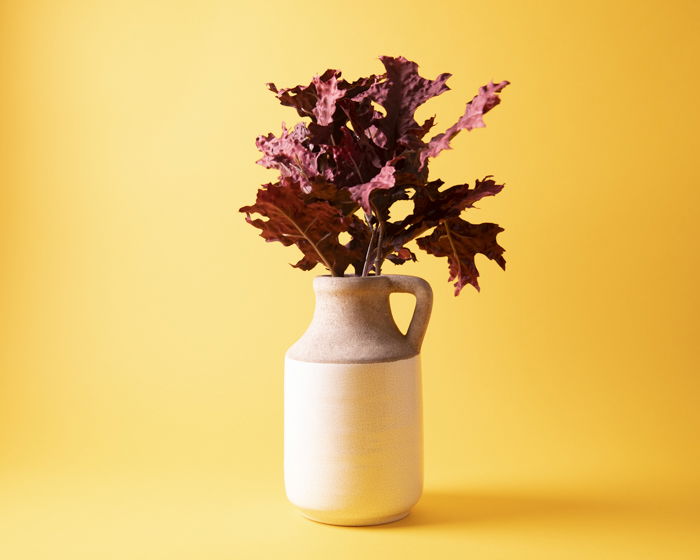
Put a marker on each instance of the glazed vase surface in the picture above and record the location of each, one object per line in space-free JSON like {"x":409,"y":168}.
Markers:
{"x":353,"y":438}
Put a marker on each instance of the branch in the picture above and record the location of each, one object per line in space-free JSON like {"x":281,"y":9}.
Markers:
{"x":379,"y":251}
{"x":365,"y":268}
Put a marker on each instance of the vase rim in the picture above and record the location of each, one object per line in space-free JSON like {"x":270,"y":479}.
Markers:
{"x":328,"y":277}
{"x":334,"y":284}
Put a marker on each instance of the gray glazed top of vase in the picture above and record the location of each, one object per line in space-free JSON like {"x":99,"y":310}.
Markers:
{"x":353,"y":323}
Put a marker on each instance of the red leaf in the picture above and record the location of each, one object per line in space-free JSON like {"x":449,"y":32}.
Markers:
{"x":401,"y":93}
{"x":402,"y":255}
{"x":382,"y":180}
{"x":431,"y":206}
{"x":311,"y":226}
{"x":302,"y":98}
{"x":357,"y":247}
{"x":350,"y":159}
{"x":423,"y":129}
{"x":460,"y":241}
{"x":364,"y":148}
{"x":482,"y":103}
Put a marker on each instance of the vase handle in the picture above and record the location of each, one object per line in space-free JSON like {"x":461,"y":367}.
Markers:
{"x":424,"y":304}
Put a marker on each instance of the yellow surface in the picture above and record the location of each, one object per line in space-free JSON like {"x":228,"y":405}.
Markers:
{"x":144,"y":323}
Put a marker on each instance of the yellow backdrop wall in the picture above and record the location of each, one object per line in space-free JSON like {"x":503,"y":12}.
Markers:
{"x":144,"y":323}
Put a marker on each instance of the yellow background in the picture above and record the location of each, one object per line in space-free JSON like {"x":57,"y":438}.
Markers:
{"x":143,"y":323}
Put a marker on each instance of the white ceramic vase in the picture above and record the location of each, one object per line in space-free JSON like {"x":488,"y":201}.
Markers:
{"x":353,"y":442}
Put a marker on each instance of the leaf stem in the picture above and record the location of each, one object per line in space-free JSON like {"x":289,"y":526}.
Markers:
{"x":379,"y":257}
{"x":365,"y":268}
{"x":318,"y":252}
{"x":357,"y":169}
{"x":454,"y":249}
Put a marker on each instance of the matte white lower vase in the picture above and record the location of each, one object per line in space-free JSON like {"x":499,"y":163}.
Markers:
{"x":353,"y":443}
{"x":353,"y":439}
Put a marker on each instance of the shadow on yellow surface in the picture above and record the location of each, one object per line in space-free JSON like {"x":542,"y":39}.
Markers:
{"x":541,"y":523}
{"x":462,"y":507}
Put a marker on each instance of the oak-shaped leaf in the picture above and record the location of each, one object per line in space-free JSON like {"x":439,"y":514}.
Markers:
{"x":383,"y":200}
{"x":312,"y":226}
{"x":482,"y":103}
{"x":401,"y":93}
{"x":327,"y":94}
{"x":402,"y":255}
{"x":302,"y":98}
{"x":460,"y":241}
{"x":432,"y":205}
{"x":291,"y":156}
{"x":423,"y":129}
{"x":362,"y":148}
{"x":351,"y":162}
{"x":382,"y":180}
{"x":360,"y":235}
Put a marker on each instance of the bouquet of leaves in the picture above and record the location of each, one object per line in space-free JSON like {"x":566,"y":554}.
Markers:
{"x":359,"y":151}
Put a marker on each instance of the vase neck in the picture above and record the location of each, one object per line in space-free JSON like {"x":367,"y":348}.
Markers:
{"x":353,"y":305}
{"x":352,"y":323}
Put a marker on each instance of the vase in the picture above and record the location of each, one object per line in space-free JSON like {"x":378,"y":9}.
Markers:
{"x":353,"y":437}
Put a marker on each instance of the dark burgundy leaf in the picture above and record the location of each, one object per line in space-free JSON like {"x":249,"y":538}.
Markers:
{"x":383,"y":199}
{"x":357,"y":89}
{"x":350,"y":161}
{"x":311,"y":226}
{"x":401,"y":256}
{"x":423,"y":129}
{"x":432,"y":205}
{"x":302,"y":98}
{"x":460,"y":241}
{"x":363,"y":149}
{"x":357,"y":247}
{"x":401,"y":93}
{"x":305,"y":263}
{"x":408,"y":171}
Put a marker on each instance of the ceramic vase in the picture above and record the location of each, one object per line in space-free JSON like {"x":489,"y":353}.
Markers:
{"x":353,"y":442}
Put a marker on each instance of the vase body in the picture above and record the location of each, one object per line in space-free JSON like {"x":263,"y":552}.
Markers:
{"x":353,"y":442}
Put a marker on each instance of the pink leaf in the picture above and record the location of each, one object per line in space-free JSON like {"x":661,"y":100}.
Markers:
{"x":327,"y":93}
{"x":382,"y":180}
{"x":482,"y":103}
{"x":289,"y":154}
